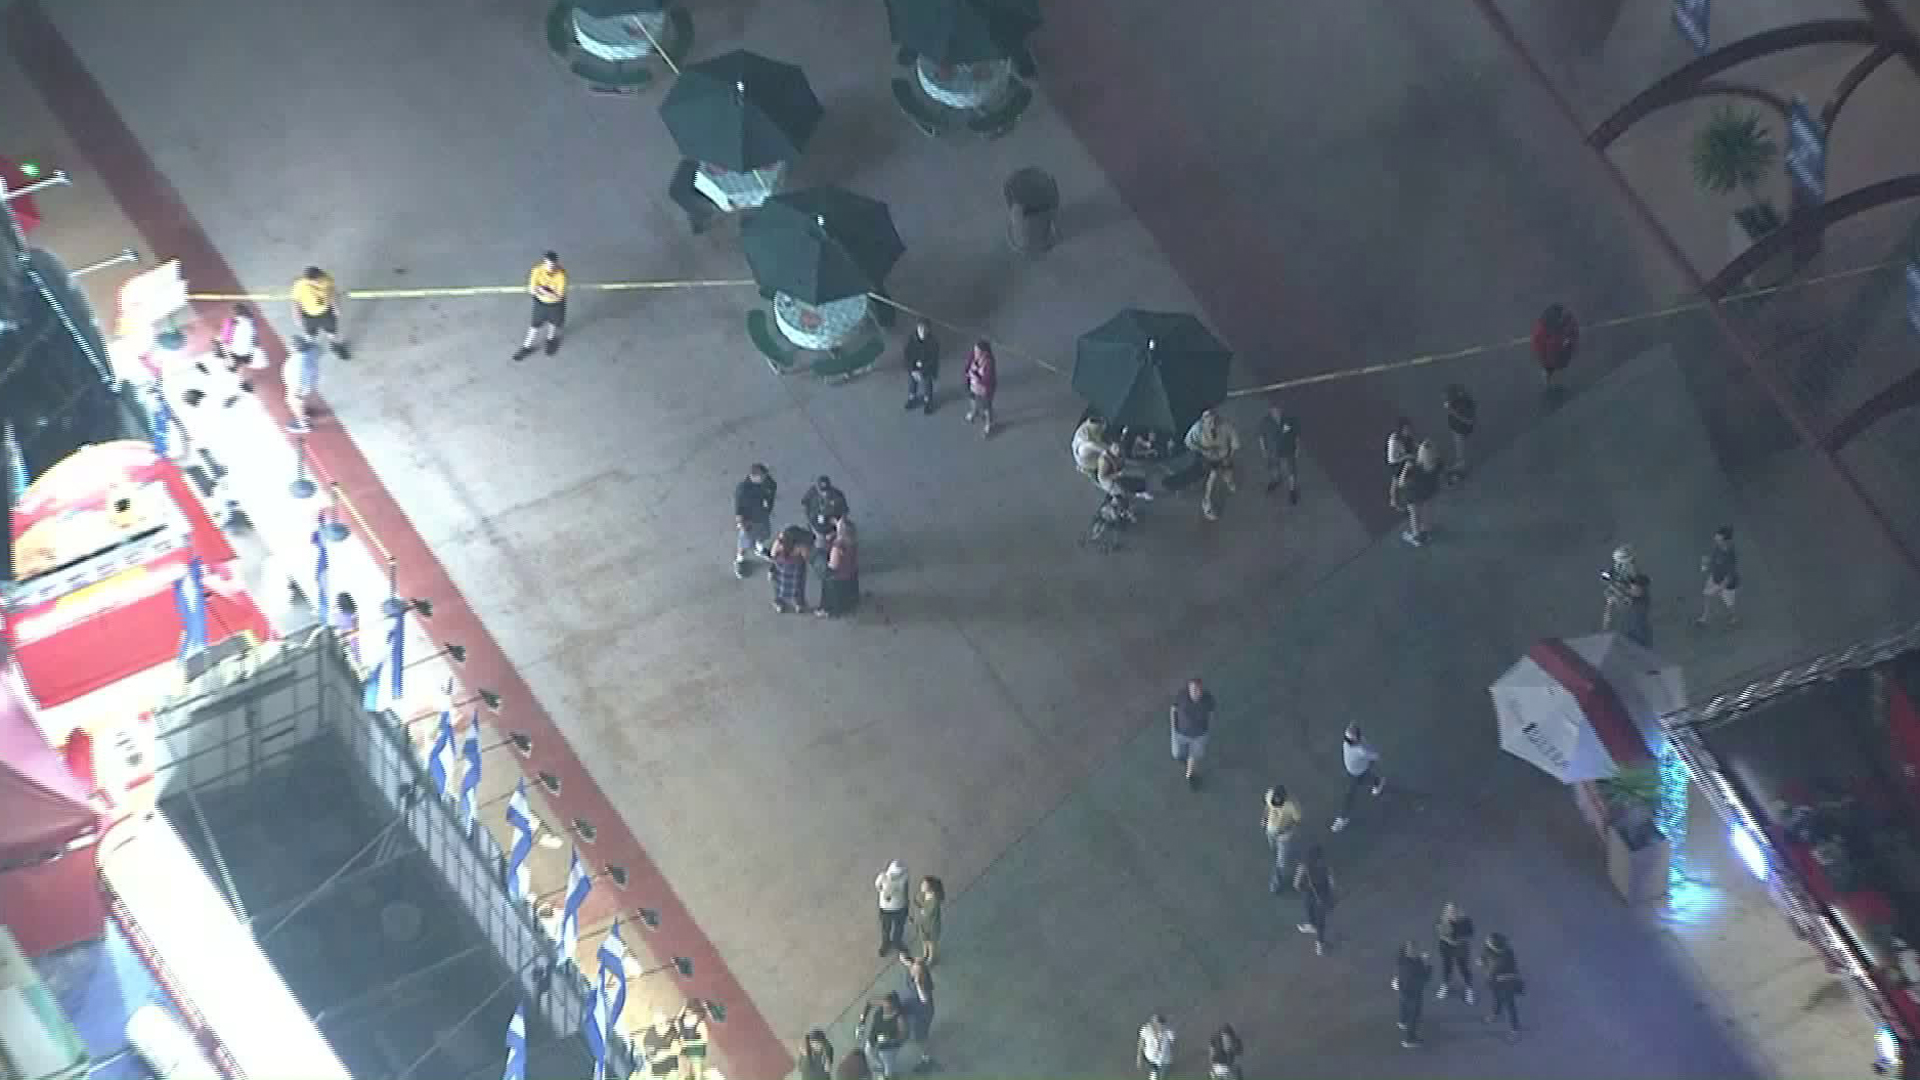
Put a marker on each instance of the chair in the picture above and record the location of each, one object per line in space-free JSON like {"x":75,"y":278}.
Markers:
{"x":780,"y":358}
{"x":1000,"y":119}
{"x":917,"y":111}
{"x":851,"y":362}
{"x":700,"y":209}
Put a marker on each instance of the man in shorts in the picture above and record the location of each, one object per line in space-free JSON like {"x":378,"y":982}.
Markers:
{"x":547,"y":284}
{"x":1190,"y":720}
{"x":1721,"y":565}
{"x":316,"y":306}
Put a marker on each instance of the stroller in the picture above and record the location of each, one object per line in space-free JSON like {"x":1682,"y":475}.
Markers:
{"x":1106,"y":532}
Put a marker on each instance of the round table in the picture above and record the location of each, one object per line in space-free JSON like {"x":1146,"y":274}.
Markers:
{"x":965,"y":86}
{"x":819,"y":327}
{"x":620,"y":39}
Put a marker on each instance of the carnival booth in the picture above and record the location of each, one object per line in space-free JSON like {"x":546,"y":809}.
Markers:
{"x":1587,"y":712}
{"x":49,"y":881}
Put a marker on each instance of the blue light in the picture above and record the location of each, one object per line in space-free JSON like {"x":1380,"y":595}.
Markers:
{"x":1747,"y":846}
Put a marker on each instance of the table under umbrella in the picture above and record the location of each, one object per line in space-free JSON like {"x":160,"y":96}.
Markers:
{"x":1151,"y":370}
{"x":821,"y":251}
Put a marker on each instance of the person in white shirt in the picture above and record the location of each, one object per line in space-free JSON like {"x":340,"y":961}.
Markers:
{"x":1215,"y":440}
{"x":891,"y":886}
{"x":1156,"y":1047}
{"x":1360,"y":759}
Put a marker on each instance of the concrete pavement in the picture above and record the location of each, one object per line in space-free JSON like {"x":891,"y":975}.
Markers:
{"x":993,"y":717}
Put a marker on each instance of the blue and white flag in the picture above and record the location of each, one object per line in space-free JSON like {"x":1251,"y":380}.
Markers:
{"x":371,"y":697}
{"x":397,"y":653}
{"x":190,"y":597}
{"x":322,"y":588}
{"x":517,"y":1045}
{"x":440,"y":758}
{"x":470,"y":777}
{"x":520,"y":820}
{"x":579,"y":884}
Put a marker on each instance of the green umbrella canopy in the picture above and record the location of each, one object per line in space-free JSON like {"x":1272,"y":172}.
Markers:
{"x":1151,"y":369}
{"x":741,"y":111}
{"x":962,"y":31}
{"x":821,"y":244}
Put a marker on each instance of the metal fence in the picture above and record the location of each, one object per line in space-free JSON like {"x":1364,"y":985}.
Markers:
{"x":260,"y":710}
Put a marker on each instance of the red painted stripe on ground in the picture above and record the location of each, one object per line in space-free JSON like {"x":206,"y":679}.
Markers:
{"x":170,"y":231}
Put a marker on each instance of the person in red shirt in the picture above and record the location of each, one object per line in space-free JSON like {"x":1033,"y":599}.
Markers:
{"x":1555,"y":338}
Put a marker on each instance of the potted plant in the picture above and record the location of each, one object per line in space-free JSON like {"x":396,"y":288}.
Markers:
{"x":1637,"y":855}
{"x":1733,"y":153}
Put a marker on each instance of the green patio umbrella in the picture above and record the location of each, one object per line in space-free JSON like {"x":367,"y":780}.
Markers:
{"x":821,"y":244}
{"x":962,"y":31}
{"x":741,"y":111}
{"x":1151,"y":369}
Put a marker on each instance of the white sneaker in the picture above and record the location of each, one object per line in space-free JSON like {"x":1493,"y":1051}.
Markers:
{"x":1339,"y":823}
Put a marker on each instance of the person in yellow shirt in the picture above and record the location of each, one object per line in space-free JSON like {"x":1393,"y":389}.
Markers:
{"x":548,"y":285}
{"x":316,"y":306}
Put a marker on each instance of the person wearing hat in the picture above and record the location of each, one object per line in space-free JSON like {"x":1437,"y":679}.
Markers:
{"x":659,"y":1045}
{"x":692,"y":1024}
{"x":891,"y":887}
{"x":547,"y":284}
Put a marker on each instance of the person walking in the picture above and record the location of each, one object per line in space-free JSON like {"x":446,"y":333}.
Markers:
{"x":1315,"y":882}
{"x":1455,"y":936}
{"x":1414,"y":490}
{"x":1279,"y":436}
{"x":891,"y":886}
{"x":660,"y":1045}
{"x":1411,"y":970}
{"x":1462,"y":415}
{"x":1223,"y":1053}
{"x":301,"y":374}
{"x":1281,"y":821}
{"x":239,"y":340}
{"x":1154,"y":1050}
{"x":1629,"y":605}
{"x":1359,"y":759}
{"x":983,"y":378}
{"x":753,"y":517}
{"x":922,"y":355}
{"x":929,"y":902}
{"x":692,"y":1024}
{"x":840,"y":583}
{"x":547,"y":284}
{"x":316,"y":307}
{"x":789,"y":556}
{"x":884,"y":1026}
{"x":1503,"y":981}
{"x":919,"y":1010}
{"x":1190,"y":720}
{"x":815,"y":1061}
{"x":1214,"y":439}
{"x":1721,"y":565}
{"x":1556,"y":337}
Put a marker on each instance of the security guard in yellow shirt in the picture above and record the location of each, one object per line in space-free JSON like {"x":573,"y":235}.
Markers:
{"x":316,"y":306}
{"x":547,"y":284}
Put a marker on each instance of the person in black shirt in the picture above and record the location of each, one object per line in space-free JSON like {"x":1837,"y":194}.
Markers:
{"x":1462,"y":415}
{"x":1410,"y":974}
{"x":1191,"y":720}
{"x":1503,"y":978}
{"x":1455,"y":934}
{"x":1722,"y":566}
{"x":923,"y":367}
{"x":1279,"y":436}
{"x":752,"y":516}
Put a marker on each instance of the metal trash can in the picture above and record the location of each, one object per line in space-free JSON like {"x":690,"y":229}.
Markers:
{"x":1033,"y":210}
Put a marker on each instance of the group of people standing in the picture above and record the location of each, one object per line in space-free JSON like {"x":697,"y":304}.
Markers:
{"x":828,"y":539}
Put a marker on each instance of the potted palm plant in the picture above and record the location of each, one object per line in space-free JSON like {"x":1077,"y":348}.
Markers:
{"x":1732,"y":153}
